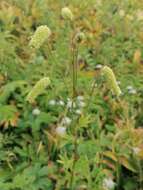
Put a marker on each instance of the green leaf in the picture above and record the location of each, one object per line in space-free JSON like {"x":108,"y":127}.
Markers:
{"x":43,"y":118}
{"x":89,"y":148}
{"x":9,"y":88}
{"x":8,"y":115}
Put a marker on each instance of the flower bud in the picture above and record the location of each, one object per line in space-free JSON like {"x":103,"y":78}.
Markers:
{"x":38,"y":89}
{"x":80,"y":37}
{"x":41,"y":34}
{"x":66,"y":13}
{"x":111,"y":80}
{"x":121,"y":13}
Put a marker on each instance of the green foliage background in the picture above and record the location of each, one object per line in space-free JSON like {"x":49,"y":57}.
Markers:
{"x":99,"y":143}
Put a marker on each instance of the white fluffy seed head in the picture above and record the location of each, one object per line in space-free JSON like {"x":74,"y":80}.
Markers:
{"x":61,"y":103}
{"x":66,"y":121}
{"x":98,"y":66}
{"x":61,"y":131}
{"x":52,"y":102}
{"x":132,"y":91}
{"x":80,"y":98}
{"x":81,"y":104}
{"x":130,"y":88}
{"x":70,"y":104}
{"x":78,"y":112}
{"x":36,"y":111}
{"x":136,"y":150}
{"x":108,"y":183}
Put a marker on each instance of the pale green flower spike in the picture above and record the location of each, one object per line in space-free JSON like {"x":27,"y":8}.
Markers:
{"x":66,"y":13}
{"x":38,"y":89}
{"x":111,"y":80}
{"x":41,"y":34}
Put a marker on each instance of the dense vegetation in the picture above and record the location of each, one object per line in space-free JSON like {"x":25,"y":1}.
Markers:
{"x":71,"y":95}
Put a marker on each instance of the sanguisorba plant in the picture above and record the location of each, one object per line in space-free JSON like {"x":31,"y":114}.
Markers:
{"x":90,"y":145}
{"x":41,"y":34}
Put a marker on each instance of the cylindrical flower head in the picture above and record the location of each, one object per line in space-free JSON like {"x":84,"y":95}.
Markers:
{"x":111,"y":80}
{"x":66,"y":13}
{"x":41,"y":34}
{"x":38,"y":89}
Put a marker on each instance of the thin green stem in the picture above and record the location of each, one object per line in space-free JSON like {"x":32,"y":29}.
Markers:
{"x":74,"y":163}
{"x":118,"y":171}
{"x":140,"y":173}
{"x":74,"y":154}
{"x":74,"y":70}
{"x":91,"y":94}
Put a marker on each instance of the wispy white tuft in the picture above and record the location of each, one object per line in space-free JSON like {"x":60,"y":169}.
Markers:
{"x":66,"y":121}
{"x":108,"y":184}
{"x":61,"y":131}
{"x":61,"y":103}
{"x":52,"y":102}
{"x":78,"y":112}
{"x":36,"y":111}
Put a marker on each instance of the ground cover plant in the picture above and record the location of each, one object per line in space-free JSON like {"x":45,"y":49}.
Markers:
{"x":71,"y":95}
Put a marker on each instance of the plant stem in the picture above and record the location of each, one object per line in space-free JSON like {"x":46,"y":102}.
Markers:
{"x":74,"y":154}
{"x":140,"y":174}
{"x":74,"y":66}
{"x":74,"y":162}
{"x":118,"y":169}
{"x":91,"y":95}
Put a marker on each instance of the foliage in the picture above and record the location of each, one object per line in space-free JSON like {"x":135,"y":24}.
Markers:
{"x":77,"y":134}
